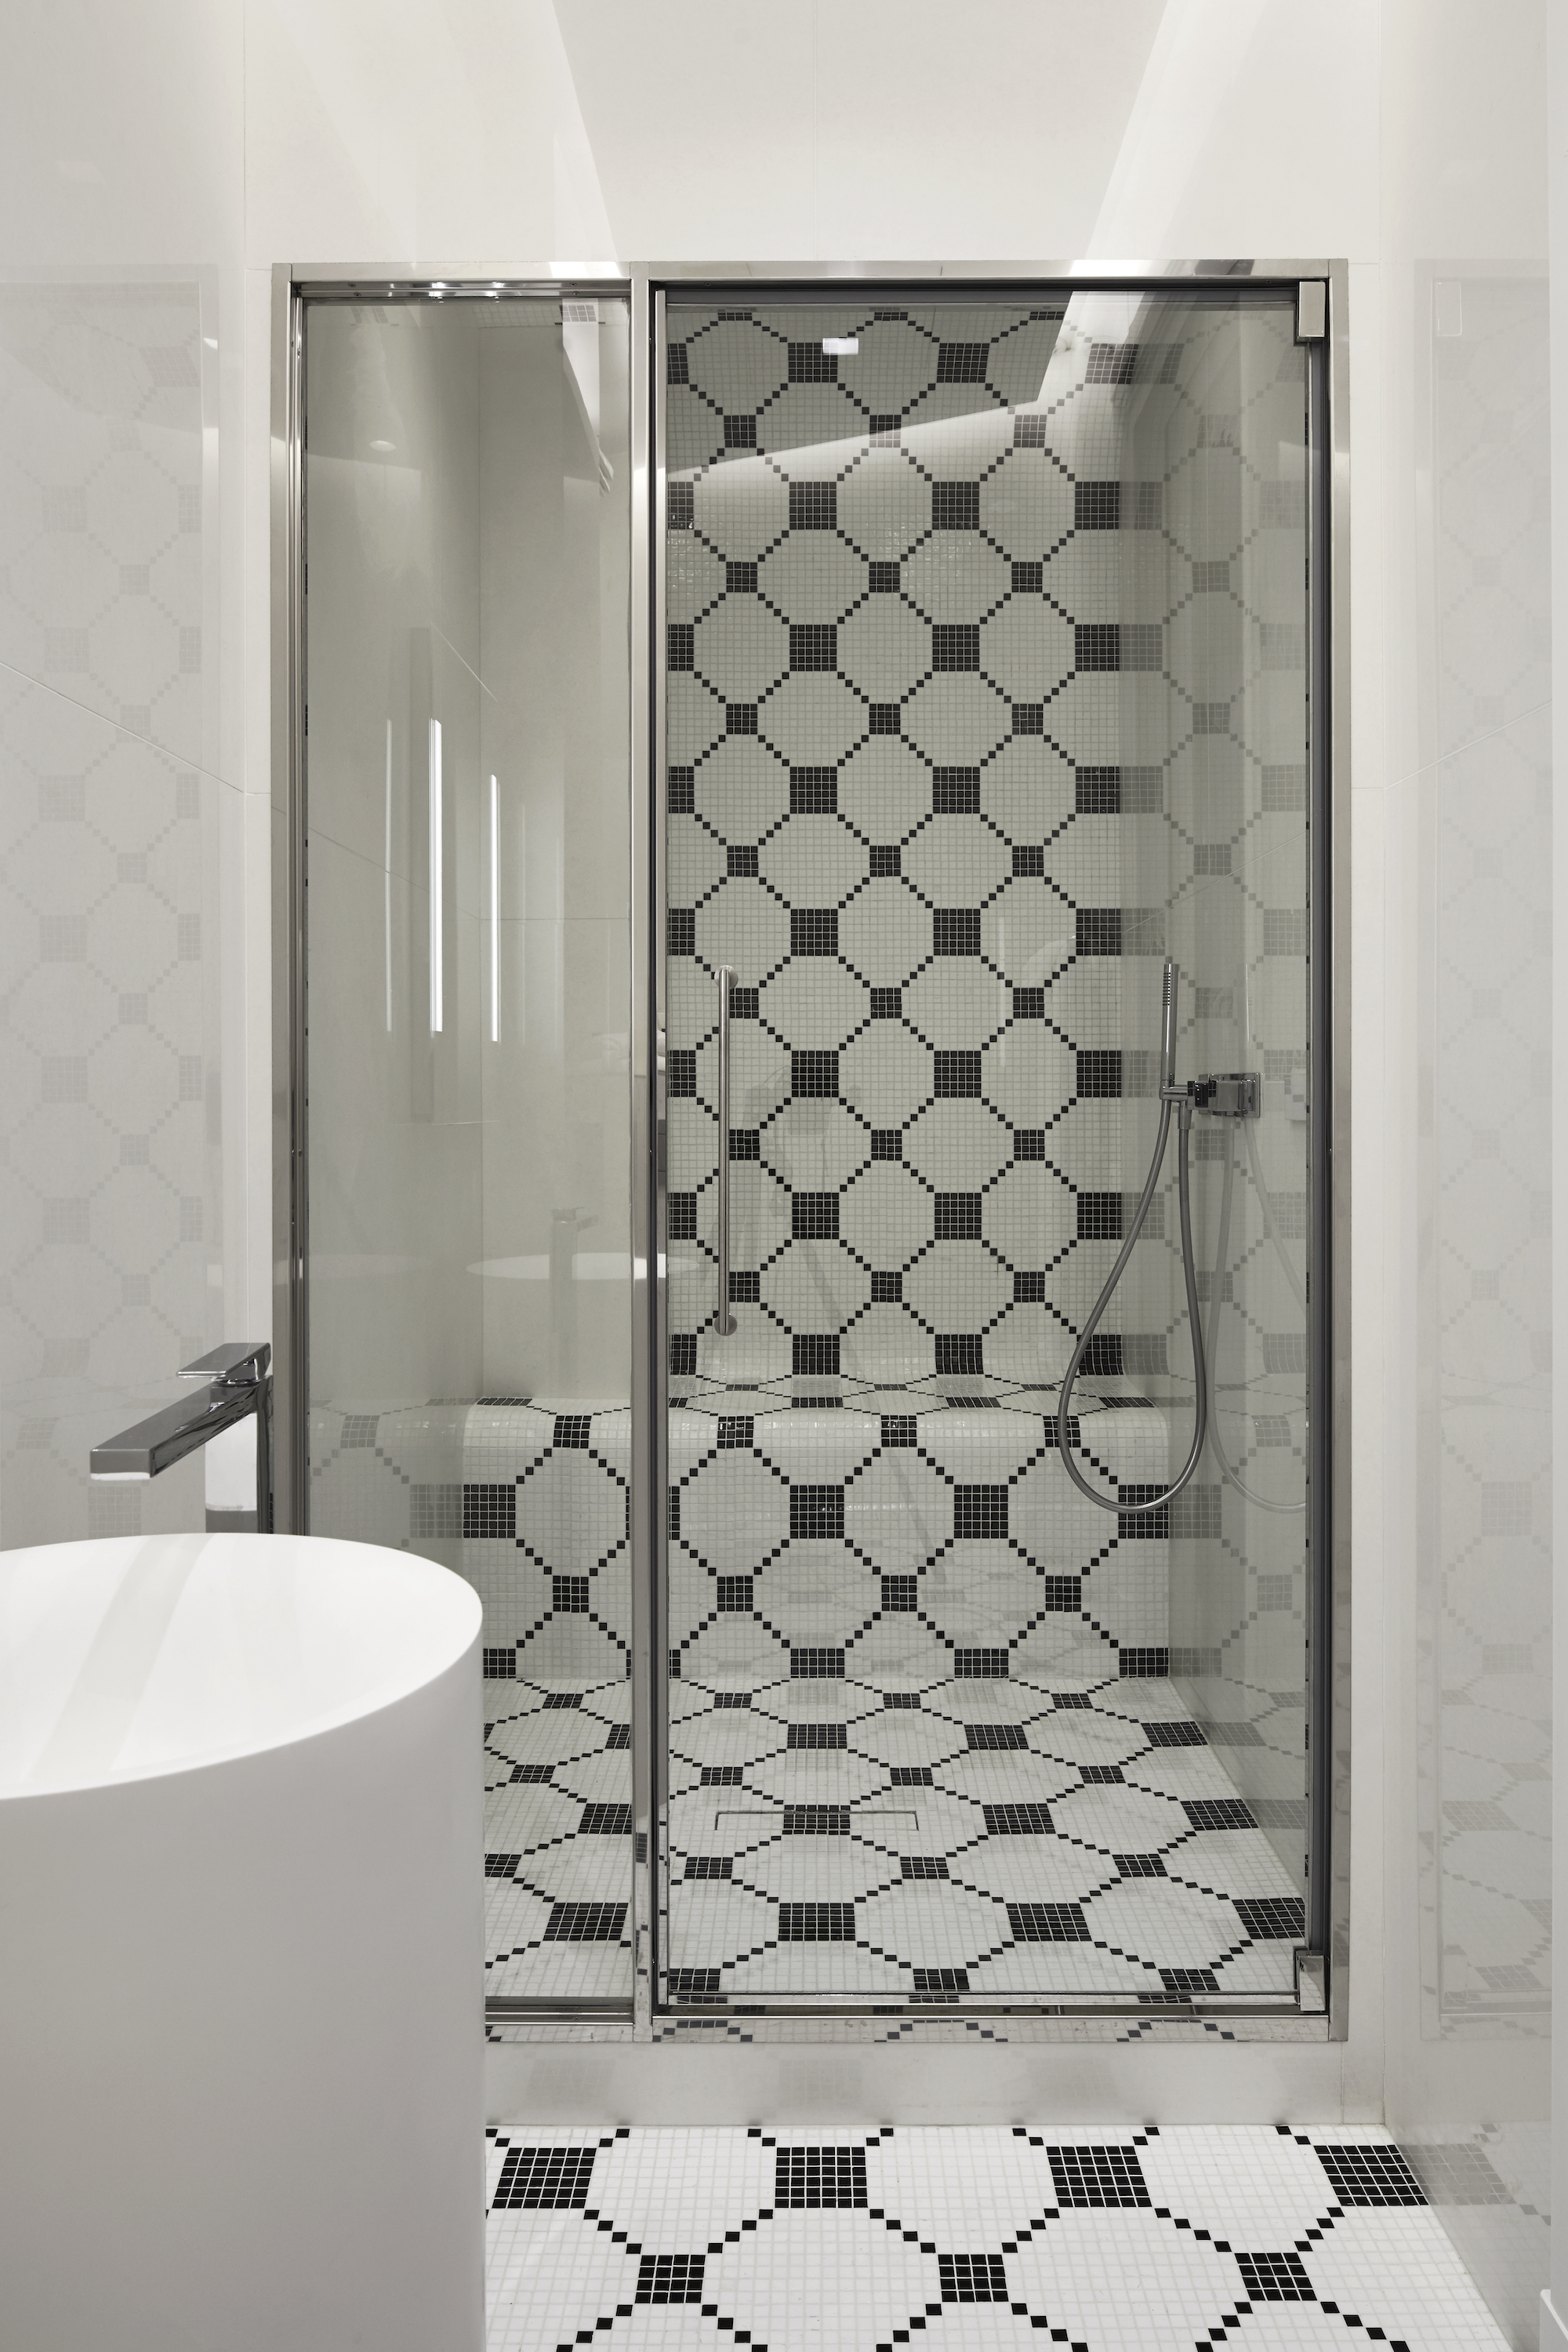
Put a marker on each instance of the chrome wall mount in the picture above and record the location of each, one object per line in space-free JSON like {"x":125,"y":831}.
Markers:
{"x":236,"y":1382}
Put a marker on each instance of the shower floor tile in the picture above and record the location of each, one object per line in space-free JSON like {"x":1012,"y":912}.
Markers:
{"x":558,"y":1789}
{"x":1106,"y":2241}
{"x":1082,"y":1861}
{"x":928,"y":1842}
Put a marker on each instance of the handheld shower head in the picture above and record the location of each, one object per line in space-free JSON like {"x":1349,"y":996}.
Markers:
{"x":1168,"y":1025}
{"x":1182,"y":1106}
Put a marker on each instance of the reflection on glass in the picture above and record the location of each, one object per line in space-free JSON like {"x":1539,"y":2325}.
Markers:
{"x":466,"y":493}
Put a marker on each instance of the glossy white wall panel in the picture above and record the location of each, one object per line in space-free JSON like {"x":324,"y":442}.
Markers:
{"x":1458,"y":685}
{"x":1197,"y":129}
{"x":111,"y":1117}
{"x":122,"y":199}
{"x":405,"y":135}
{"x":121,"y":137}
{"x":1462,"y":129}
{"x":900,"y":91}
{"x":702,"y":121}
{"x":1255,"y":132}
{"x":323,"y":173}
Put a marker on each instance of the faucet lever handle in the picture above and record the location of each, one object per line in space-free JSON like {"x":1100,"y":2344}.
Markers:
{"x":240,"y":1363}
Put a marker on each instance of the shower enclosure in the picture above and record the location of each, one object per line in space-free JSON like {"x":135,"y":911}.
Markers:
{"x":795,"y":793}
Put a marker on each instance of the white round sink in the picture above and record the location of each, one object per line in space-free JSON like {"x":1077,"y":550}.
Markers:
{"x":241,"y":1871}
{"x":164,"y":1653}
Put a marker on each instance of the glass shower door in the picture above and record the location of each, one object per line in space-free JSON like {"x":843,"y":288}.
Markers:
{"x":467,"y":506}
{"x":987,"y":683}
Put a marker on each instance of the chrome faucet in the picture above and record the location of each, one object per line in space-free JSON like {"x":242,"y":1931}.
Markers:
{"x":237,"y":1382}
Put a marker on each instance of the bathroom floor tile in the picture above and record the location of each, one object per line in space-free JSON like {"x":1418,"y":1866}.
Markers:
{"x":1106,"y":2241}
{"x":558,"y":1787}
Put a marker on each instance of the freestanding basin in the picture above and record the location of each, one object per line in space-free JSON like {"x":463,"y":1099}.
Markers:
{"x":241,"y":2048}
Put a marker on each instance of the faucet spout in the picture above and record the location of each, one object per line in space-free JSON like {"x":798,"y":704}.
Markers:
{"x":238,"y":1383}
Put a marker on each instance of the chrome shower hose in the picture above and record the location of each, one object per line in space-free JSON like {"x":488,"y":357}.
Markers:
{"x":1171,"y":1095}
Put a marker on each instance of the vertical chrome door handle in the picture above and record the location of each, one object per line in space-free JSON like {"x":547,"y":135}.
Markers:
{"x":723,"y":1322}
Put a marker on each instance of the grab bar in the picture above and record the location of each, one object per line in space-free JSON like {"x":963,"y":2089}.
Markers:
{"x":723,"y":1322}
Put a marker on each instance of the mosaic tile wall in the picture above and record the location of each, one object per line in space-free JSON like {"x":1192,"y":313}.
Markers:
{"x":870,"y":823}
{"x":986,"y":690}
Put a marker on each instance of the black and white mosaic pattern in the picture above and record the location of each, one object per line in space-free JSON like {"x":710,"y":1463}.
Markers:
{"x":910,"y":1756}
{"x":546,"y":1542}
{"x":558,"y":1823}
{"x":1100,"y":2240}
{"x":972,"y":1838}
{"x":907,"y":663}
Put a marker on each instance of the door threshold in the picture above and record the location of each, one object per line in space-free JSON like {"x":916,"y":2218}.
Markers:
{"x":958,"y":2011}
{"x":508,"y":2009}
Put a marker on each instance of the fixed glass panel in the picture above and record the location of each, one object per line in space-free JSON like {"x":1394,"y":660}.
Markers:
{"x":987,"y":696}
{"x":467,"y":538}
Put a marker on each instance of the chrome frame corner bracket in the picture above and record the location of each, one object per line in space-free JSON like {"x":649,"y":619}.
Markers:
{"x":645,"y":1200}
{"x":286,"y":619}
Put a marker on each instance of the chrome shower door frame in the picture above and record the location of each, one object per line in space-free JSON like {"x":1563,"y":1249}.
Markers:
{"x":1329,"y":1398}
{"x":293,"y":290}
